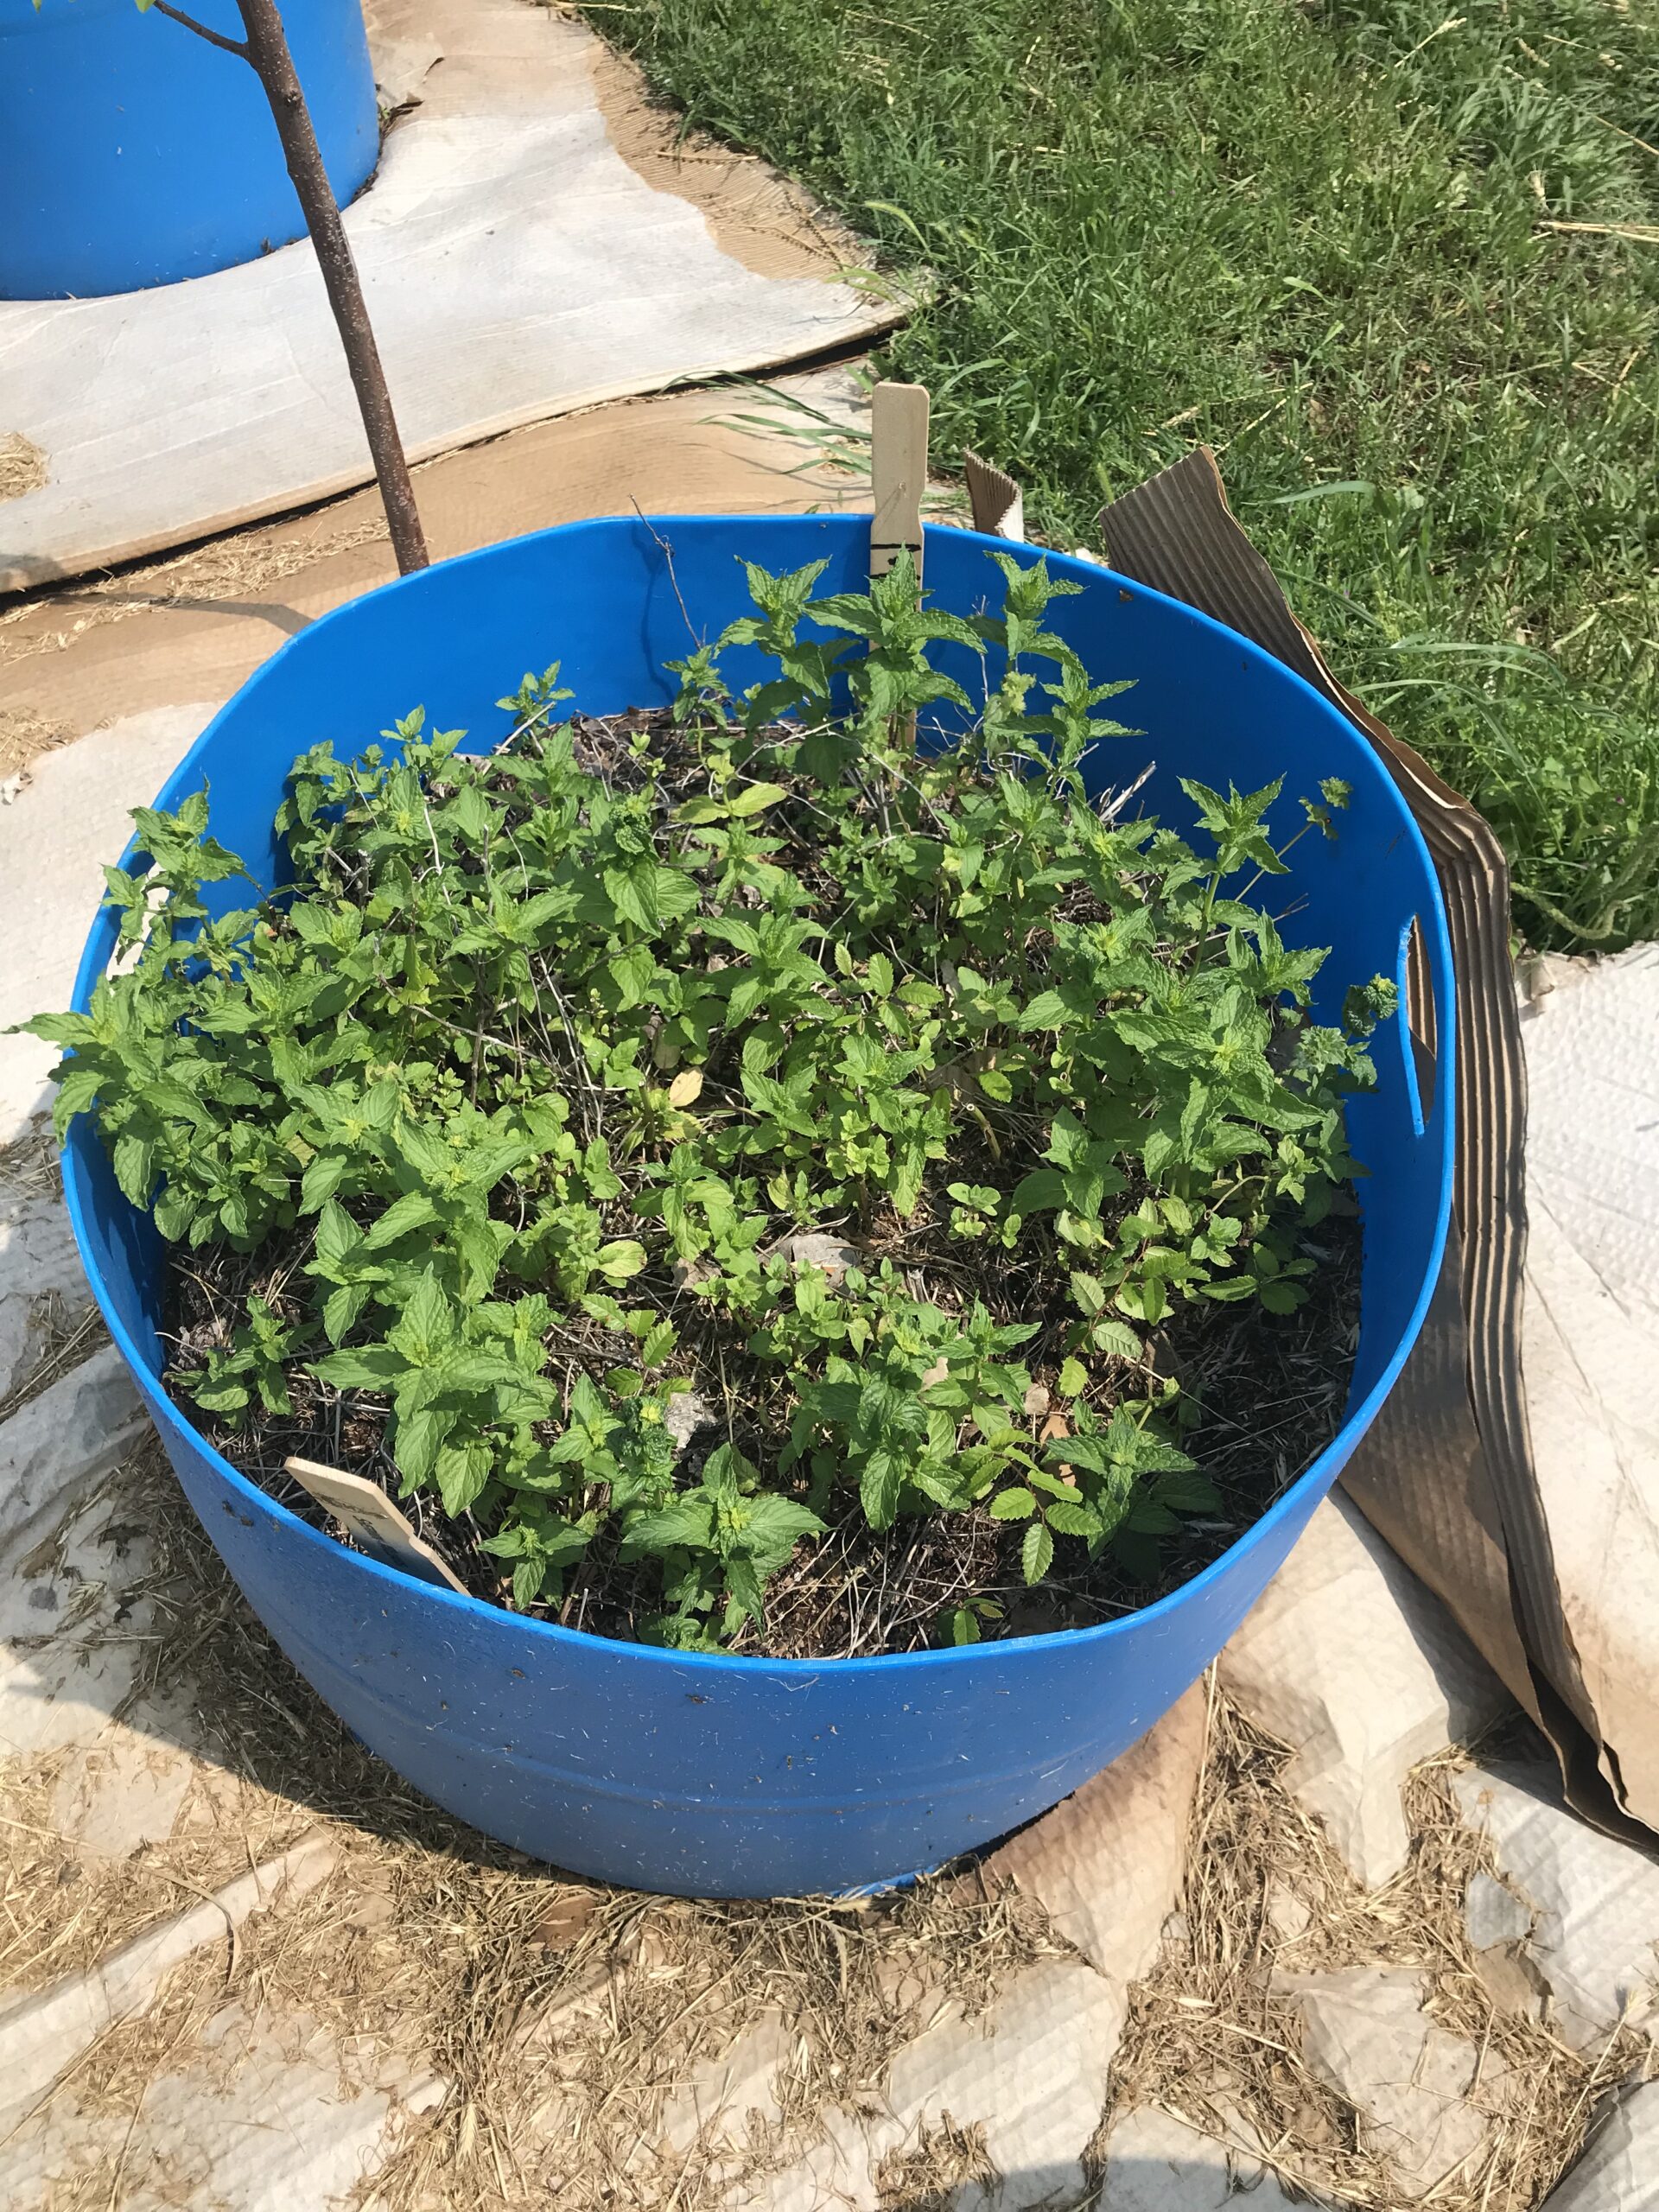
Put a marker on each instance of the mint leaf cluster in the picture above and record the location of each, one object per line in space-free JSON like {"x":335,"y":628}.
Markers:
{"x":670,"y":1139}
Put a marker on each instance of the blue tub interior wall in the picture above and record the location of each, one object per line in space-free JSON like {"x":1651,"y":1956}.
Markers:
{"x":715,"y":1775}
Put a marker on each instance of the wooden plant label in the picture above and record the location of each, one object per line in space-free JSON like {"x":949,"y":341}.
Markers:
{"x":897,"y":473}
{"x":369,"y":1516}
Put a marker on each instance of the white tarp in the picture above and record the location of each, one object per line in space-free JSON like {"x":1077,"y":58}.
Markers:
{"x":1590,"y":1331}
{"x":1619,"y":2172}
{"x":1361,"y":1671}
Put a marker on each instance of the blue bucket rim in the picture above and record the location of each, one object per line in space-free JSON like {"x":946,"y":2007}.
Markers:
{"x":100,"y":943}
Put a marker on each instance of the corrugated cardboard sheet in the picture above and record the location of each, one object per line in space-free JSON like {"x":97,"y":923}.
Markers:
{"x":1446,"y":1474}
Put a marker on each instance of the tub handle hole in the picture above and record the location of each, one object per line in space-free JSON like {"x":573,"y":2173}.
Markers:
{"x":1416,"y":1025}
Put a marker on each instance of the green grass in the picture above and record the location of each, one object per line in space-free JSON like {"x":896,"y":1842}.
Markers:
{"x":1313,"y":234}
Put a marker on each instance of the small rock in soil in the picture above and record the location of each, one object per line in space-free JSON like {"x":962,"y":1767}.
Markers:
{"x":828,"y":1254}
{"x":688,"y":1411}
{"x":1312,"y":2127}
{"x":1513,"y":1983}
{"x":565,"y":1920}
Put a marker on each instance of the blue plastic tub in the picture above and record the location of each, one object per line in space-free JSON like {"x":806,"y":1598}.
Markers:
{"x":733,"y":1776}
{"x":137,"y":153}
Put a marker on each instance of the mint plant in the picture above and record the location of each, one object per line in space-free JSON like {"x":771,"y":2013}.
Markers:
{"x":685,"y":1149}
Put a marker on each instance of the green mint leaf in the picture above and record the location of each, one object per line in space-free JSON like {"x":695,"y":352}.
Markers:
{"x":1037,"y":1552}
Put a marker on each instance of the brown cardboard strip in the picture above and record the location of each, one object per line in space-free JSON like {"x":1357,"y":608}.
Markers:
{"x":997,"y":502}
{"x":1445,"y":1475}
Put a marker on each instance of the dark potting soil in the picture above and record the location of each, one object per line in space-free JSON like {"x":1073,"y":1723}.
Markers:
{"x":1270,"y":1391}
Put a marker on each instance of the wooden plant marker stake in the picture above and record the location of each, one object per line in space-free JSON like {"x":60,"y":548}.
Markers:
{"x":369,"y":1516}
{"x":898,"y":478}
{"x":897,"y":473}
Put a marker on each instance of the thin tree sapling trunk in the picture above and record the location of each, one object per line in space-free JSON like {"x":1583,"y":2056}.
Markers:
{"x":264,"y":48}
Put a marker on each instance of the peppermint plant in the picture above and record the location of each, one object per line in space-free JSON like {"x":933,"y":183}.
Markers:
{"x":681,"y":1147}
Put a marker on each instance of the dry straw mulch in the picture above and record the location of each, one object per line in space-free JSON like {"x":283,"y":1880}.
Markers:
{"x":23,"y":466}
{"x":561,"y":2013}
{"x":1210,"y":2041}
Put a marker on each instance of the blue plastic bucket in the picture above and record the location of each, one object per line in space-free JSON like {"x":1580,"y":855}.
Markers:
{"x":737,"y":1776}
{"x":137,"y":153}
